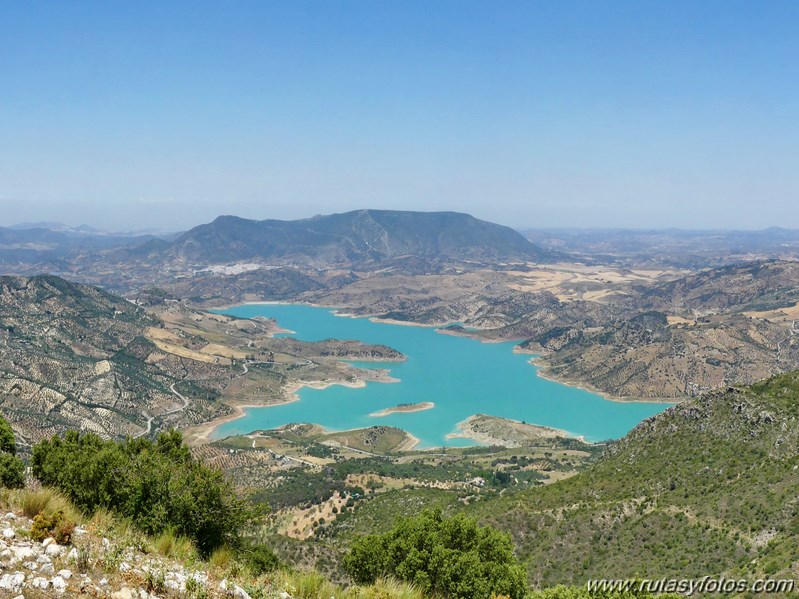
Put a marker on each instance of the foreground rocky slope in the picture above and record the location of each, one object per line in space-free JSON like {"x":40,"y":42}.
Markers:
{"x":93,"y":567}
{"x":108,"y":558}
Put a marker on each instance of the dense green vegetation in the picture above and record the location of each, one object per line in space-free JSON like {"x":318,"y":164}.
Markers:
{"x":708,"y":487}
{"x":301,"y":487}
{"x":157,"y":485}
{"x":8,"y":444}
{"x":452,"y":557}
{"x":12,"y":470}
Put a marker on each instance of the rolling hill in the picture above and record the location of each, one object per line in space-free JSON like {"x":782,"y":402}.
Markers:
{"x":74,"y":356}
{"x":708,"y":487}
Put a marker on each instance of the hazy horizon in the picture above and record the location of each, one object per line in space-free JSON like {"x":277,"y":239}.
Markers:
{"x":534,"y":115}
{"x":155,"y":229}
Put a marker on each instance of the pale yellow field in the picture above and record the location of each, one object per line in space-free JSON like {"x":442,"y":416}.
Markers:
{"x":188,"y":353}
{"x":678,"y":320}
{"x":220,"y":350}
{"x":595,"y":296}
{"x":789,"y":313}
{"x":154,"y":333}
{"x":559,"y":278}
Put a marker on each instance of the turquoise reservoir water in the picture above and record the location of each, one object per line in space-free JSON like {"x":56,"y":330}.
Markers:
{"x":461,"y":376}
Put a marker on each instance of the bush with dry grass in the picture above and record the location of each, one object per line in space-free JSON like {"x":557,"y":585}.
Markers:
{"x":54,"y":525}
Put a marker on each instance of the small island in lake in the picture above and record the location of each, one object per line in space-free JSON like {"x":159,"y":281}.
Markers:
{"x":405,"y":407}
{"x":492,"y":430}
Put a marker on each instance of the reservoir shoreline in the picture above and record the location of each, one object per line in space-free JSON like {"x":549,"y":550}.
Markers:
{"x":436,"y":368}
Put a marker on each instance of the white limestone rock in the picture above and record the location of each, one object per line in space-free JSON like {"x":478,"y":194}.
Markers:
{"x":23,"y":552}
{"x":59,"y":584}
{"x":12,"y":582}
{"x":240,"y":593}
{"x":40,"y":582}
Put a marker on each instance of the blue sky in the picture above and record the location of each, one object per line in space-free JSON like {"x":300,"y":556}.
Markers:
{"x":167,"y":114}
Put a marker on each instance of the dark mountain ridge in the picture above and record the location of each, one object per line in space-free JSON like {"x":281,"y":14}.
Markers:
{"x":358,"y":238}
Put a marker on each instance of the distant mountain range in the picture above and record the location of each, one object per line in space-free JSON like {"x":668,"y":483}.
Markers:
{"x":416,"y":242}
{"x":643,"y":248}
{"x":86,"y":230}
{"x":46,"y":246}
{"x":353,"y":239}
{"x":358,"y":239}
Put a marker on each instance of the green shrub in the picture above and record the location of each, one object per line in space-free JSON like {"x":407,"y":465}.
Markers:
{"x":8,"y":443}
{"x":259,"y":559}
{"x":157,"y":485}
{"x":12,"y":471}
{"x":452,"y":557}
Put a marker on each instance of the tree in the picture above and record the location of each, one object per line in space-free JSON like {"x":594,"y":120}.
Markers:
{"x":157,"y":485}
{"x":12,"y":470}
{"x":452,"y":557}
{"x":7,"y":442}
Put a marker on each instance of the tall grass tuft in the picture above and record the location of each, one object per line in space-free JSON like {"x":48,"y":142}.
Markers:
{"x":221,"y":559}
{"x":102,"y":522}
{"x":311,"y":585}
{"x":47,"y":501}
{"x":390,"y":588}
{"x":35,"y":502}
{"x":169,"y":544}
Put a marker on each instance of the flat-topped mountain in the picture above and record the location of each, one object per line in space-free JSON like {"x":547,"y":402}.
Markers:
{"x":359,"y":238}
